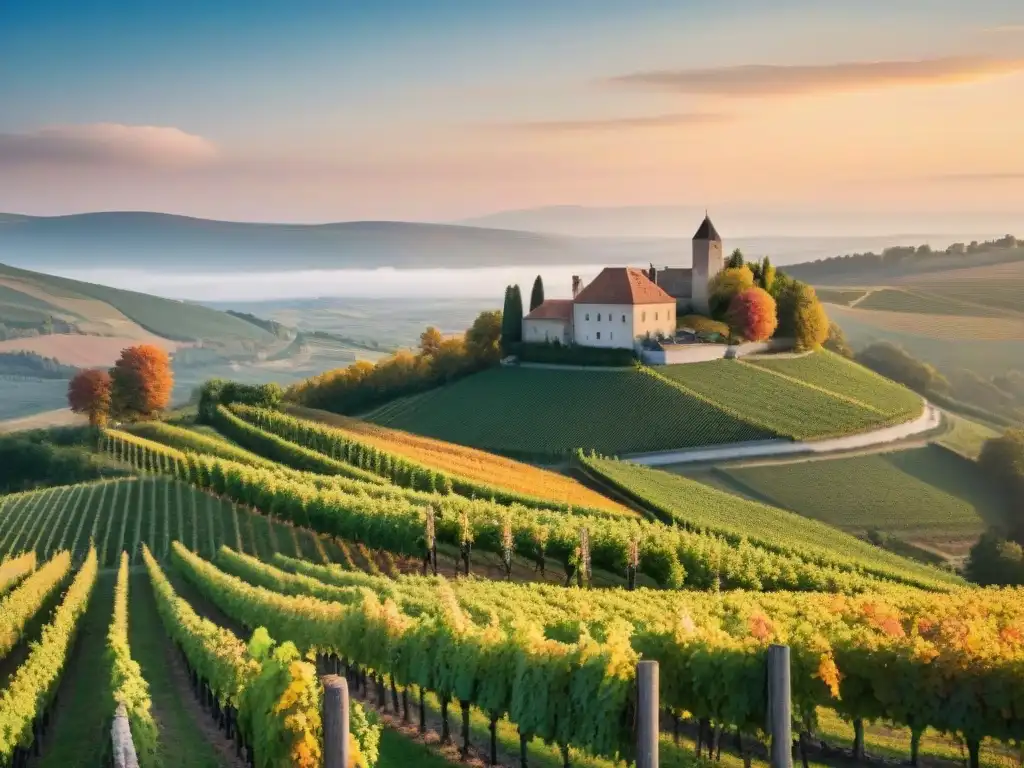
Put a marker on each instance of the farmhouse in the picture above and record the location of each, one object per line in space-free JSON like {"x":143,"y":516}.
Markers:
{"x":623,"y":305}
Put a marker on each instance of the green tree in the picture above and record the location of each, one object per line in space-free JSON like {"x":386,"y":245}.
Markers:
{"x":507,"y":313}
{"x":1002,"y":460}
{"x":994,"y":561}
{"x":735,"y":260}
{"x":893,"y":362}
{"x":801,"y":316}
{"x":537,"y":294}
{"x":766,"y":274}
{"x":836,"y":341}
{"x":483,"y":339}
{"x":515,"y":322}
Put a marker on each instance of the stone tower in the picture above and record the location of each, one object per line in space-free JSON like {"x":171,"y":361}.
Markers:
{"x":707,"y":262}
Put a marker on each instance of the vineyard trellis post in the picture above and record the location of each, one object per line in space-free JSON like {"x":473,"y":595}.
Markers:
{"x":648,"y":729}
{"x":335,"y":719}
{"x":780,"y":706}
{"x":121,"y":736}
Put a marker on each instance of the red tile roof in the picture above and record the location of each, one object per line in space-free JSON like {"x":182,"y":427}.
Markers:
{"x":552,"y":309}
{"x":623,"y":285}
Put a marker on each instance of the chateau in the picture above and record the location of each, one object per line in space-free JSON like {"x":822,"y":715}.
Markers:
{"x":622,"y":305}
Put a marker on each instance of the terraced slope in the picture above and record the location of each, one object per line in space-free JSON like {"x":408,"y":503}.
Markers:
{"x":829,"y":371}
{"x":778,"y":404}
{"x":697,"y":506}
{"x":122,"y":514}
{"x":928,"y":494}
{"x":544,"y":413}
{"x":465,"y":462}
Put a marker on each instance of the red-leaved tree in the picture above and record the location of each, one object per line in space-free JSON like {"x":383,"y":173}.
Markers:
{"x":89,"y":393}
{"x":752,"y":315}
{"x":142,"y":383}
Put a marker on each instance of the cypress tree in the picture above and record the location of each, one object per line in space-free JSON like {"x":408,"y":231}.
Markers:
{"x":537,"y":295}
{"x":507,"y":338}
{"x":515,"y":327}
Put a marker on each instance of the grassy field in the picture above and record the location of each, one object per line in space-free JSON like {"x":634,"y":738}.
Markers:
{"x":119,"y":515}
{"x":541,"y":412}
{"x":696,"y":505}
{"x":899,"y":300}
{"x":834,"y":373}
{"x":965,"y":437}
{"x":943,"y":327}
{"x":996,"y":285}
{"x":775,"y":403}
{"x":164,"y":317}
{"x":466,"y":462}
{"x":926,"y":495}
{"x":844,"y":296}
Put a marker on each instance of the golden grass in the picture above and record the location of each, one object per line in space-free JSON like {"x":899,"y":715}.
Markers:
{"x":943,"y":327}
{"x":467,"y":463}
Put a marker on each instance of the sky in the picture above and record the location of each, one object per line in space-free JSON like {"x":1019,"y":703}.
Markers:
{"x":872,"y":114}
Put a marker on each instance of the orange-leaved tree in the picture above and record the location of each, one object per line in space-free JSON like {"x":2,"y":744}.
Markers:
{"x":89,"y":393}
{"x":752,"y":315}
{"x":142,"y":383}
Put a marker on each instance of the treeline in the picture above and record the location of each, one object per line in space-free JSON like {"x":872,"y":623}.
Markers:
{"x":439,"y":360}
{"x":12,"y":328}
{"x":998,"y":558}
{"x":270,"y":326}
{"x":49,"y":457}
{"x":32,"y":365}
{"x":922,"y":258}
{"x":998,"y":399}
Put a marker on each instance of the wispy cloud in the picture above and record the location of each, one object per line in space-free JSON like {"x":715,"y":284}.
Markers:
{"x":1004,"y":29}
{"x":784,"y":80}
{"x":108,"y":145}
{"x":671,"y":120}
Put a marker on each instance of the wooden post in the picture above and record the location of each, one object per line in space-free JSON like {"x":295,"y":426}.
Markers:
{"x":647,"y":727}
{"x":780,"y":707}
{"x":121,"y":736}
{"x":336,"y":750}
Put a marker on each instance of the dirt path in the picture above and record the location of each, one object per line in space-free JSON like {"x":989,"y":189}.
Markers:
{"x":188,"y":736}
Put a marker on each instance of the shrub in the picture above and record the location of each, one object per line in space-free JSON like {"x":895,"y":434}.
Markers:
{"x":545,"y":352}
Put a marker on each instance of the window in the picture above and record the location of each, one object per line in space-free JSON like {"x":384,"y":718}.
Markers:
{"x":612,"y":336}
{"x":588,"y":317}
{"x":623,"y":318}
{"x":598,"y":335}
{"x":643,"y":317}
{"x":599,"y":317}
{"x":655,"y":315}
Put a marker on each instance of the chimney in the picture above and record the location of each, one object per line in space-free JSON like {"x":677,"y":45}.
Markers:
{"x":576,"y":286}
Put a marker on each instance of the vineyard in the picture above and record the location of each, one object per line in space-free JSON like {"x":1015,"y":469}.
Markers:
{"x":846,"y":296}
{"x":504,"y":607}
{"x":942,"y":498}
{"x":538,"y":413}
{"x":785,"y":406}
{"x":997,"y":285}
{"x":468,"y":463}
{"x":897,"y":300}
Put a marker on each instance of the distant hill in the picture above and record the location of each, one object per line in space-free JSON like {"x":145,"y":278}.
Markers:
{"x":102,"y":311}
{"x":163,"y":241}
{"x":564,"y":235}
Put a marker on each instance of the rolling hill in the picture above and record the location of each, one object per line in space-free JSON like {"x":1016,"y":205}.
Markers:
{"x":547,"y":413}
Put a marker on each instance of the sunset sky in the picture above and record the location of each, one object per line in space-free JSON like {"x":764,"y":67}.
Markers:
{"x":445,"y":109}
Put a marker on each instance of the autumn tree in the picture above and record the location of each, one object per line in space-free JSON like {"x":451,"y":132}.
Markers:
{"x":89,"y":393}
{"x":752,"y":315}
{"x":537,"y":294}
{"x":801,"y":315}
{"x":483,"y":339}
{"x":141,"y":383}
{"x":837,"y":342}
{"x":727,"y":284}
{"x":430,"y":341}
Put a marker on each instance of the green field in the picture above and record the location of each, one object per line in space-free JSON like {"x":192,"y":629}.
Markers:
{"x":119,"y":515}
{"x":775,"y":403}
{"x":827,"y":370}
{"x":542,"y":412}
{"x":925,"y":494}
{"x":896,"y":300}
{"x":171,"y":319}
{"x":699,"y":506}
{"x":845,"y":296}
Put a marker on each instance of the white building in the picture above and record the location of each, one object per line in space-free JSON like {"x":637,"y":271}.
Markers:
{"x":618,"y":309}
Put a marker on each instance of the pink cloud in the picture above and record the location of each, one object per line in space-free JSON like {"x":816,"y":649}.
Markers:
{"x":107,"y":144}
